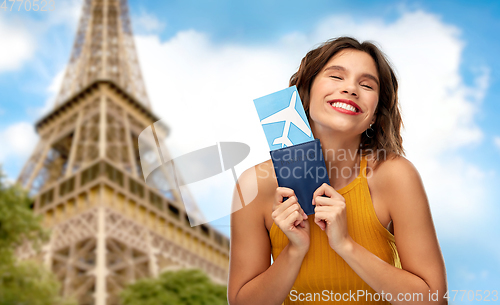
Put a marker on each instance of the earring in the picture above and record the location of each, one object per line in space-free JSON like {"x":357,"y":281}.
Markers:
{"x":370,"y":132}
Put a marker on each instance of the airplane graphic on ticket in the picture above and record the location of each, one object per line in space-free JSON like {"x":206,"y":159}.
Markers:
{"x":283,"y":119}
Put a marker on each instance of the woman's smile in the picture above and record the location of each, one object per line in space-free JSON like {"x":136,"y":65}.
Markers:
{"x":345,"y":106}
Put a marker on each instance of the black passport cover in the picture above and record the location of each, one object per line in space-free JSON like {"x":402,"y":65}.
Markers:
{"x":302,"y":168}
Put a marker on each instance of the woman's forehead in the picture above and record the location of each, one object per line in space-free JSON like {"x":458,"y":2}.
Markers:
{"x":352,"y":59}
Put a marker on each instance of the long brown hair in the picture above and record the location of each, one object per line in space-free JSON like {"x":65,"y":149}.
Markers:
{"x":388,"y":123}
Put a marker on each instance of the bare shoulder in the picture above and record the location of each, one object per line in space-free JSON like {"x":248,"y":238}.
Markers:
{"x":258,"y":183}
{"x":396,"y":186}
{"x":395,"y":172}
{"x":255,"y":192}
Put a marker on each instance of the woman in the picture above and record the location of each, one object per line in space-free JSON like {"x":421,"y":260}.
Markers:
{"x":371,"y":239}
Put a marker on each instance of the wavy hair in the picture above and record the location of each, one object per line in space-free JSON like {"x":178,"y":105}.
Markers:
{"x":388,"y":122}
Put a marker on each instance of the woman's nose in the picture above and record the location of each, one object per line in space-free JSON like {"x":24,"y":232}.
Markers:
{"x":350,"y":89}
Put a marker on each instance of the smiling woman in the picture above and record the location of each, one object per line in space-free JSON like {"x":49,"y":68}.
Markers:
{"x":379,"y":78}
{"x":371,"y":238}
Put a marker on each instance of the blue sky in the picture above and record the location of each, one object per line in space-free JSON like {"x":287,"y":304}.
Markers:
{"x":445,"y":54}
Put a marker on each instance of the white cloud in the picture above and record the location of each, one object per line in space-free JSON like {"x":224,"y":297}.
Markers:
{"x":146,"y":22}
{"x":496,"y":141}
{"x":189,"y":75}
{"x":25,"y":39}
{"x":19,"y":33}
{"x":18,"y":140}
{"x":204,"y":93}
{"x":191,"y":79}
{"x":470,"y":276}
{"x":52,"y":91}
{"x":66,"y":12}
{"x":17,"y":45}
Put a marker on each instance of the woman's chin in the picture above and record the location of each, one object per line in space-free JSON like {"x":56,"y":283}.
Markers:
{"x":338,"y":129}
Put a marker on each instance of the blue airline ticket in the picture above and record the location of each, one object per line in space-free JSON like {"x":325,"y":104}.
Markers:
{"x":283,"y":119}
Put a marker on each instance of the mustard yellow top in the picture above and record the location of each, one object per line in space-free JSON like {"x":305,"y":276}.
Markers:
{"x":324,"y":276}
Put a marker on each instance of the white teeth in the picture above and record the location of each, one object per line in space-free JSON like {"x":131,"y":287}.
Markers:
{"x":344,"y":106}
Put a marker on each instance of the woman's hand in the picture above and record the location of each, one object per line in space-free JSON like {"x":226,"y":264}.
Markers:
{"x":330,"y":216}
{"x":291,"y":219}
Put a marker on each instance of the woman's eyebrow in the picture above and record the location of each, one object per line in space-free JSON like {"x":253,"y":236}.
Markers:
{"x":342,"y":69}
{"x":339,"y":68}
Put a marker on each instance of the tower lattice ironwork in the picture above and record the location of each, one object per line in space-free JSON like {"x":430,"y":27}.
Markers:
{"x":104,"y":49}
{"x":108,"y":228}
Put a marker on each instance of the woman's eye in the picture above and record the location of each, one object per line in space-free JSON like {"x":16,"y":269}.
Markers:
{"x":367,"y":86}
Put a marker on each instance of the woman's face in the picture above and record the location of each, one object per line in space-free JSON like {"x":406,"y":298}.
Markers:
{"x":349,"y":81}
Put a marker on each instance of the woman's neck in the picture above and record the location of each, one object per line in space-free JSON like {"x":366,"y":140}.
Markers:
{"x":341,"y":156}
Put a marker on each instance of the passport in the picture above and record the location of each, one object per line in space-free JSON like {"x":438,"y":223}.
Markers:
{"x":302,"y":168}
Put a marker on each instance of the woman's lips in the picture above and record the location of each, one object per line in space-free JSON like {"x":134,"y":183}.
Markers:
{"x":342,"y":110}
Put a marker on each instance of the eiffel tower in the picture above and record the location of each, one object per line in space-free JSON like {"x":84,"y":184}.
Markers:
{"x":108,"y":227}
